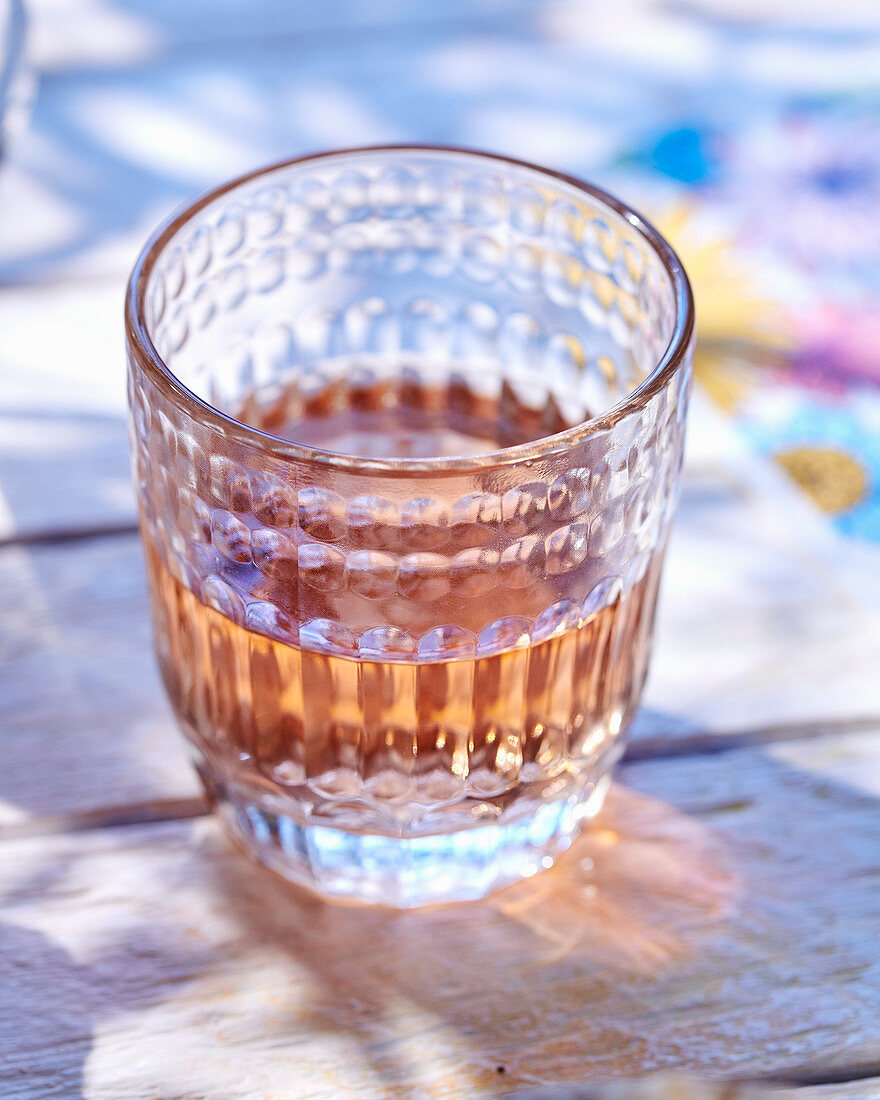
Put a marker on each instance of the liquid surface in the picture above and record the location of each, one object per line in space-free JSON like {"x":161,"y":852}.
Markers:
{"x":374,"y":411}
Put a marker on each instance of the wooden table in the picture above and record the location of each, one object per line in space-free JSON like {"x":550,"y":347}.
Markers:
{"x":723,"y":915}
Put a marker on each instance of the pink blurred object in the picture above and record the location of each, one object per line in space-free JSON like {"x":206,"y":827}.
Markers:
{"x":837,"y":346}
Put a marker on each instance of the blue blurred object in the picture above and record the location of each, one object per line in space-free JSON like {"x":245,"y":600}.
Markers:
{"x":683,"y":155}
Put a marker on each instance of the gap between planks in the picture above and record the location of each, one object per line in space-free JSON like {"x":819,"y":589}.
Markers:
{"x":658,"y":742}
{"x":840,"y":1075}
{"x":53,"y":536}
{"x":160,"y":811}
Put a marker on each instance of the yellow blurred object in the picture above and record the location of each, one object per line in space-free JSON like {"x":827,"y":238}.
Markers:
{"x":729,"y":309}
{"x":733,"y":319}
{"x":727,"y":379}
{"x":832,"y":479}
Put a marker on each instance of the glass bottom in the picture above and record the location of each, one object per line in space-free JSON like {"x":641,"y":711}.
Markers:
{"x":405,"y":872}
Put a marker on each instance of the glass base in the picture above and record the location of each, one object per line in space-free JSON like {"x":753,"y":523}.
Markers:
{"x":405,"y":872}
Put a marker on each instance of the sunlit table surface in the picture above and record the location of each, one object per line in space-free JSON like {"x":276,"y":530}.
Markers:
{"x":723,"y":914}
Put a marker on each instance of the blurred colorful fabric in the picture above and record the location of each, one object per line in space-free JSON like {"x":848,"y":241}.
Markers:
{"x":780,"y":229}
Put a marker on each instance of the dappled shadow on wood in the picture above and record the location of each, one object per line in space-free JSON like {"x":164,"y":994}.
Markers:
{"x":85,"y":719}
{"x":724,"y":919}
{"x":48,"y":995}
{"x":52,"y":1004}
{"x":514,"y":980}
{"x":70,"y":972}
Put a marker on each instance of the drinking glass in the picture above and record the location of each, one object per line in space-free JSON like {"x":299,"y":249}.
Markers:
{"x":406,"y":427}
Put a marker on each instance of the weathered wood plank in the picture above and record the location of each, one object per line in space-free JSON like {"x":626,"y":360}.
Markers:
{"x":721,"y":916}
{"x":753,"y":634}
{"x":760,"y":623}
{"x":83,"y":721}
{"x":63,"y":437}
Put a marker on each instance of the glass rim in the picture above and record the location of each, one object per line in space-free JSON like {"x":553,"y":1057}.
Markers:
{"x":145,"y":352}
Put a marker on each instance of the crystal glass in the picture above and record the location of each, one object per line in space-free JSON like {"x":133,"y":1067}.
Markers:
{"x":406,"y":427}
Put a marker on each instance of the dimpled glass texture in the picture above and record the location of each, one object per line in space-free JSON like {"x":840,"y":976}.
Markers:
{"x":406,"y":428}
